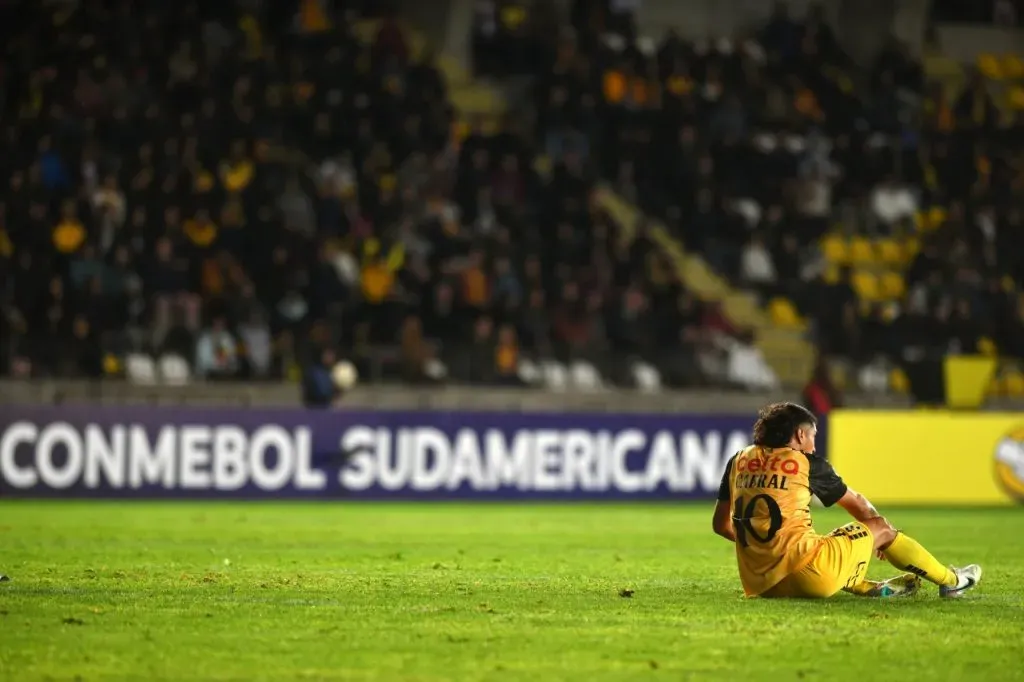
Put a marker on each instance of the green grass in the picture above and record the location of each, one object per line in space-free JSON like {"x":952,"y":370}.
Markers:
{"x":221,"y":591}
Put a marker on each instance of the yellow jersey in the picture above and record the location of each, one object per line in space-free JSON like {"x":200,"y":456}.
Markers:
{"x":769,"y":491}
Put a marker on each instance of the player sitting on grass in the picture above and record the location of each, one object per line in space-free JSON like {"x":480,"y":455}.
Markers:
{"x":764,"y":508}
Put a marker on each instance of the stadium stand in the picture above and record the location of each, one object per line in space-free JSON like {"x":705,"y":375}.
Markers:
{"x":873,"y":211}
{"x":222,"y":190}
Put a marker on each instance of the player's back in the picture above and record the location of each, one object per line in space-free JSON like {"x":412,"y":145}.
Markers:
{"x":770,"y":496}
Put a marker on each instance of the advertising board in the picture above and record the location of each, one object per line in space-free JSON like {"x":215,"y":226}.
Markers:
{"x":157,"y":452}
{"x":930,"y":457}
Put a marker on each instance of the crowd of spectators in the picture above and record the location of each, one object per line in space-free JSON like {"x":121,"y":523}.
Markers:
{"x":753,"y":148}
{"x":251,"y":188}
{"x":246,"y":190}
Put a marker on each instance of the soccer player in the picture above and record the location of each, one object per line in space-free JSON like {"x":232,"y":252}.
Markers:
{"x":764,"y":508}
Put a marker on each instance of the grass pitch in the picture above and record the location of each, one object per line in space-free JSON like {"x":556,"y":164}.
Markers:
{"x":227,"y":591}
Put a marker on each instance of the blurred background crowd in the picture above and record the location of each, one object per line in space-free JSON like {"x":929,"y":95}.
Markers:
{"x":251,"y":189}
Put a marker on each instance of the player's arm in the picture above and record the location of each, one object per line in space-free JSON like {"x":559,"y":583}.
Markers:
{"x":722,"y":520}
{"x":858,"y":506}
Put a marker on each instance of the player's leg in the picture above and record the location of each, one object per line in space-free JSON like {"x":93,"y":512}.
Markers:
{"x":906,"y":554}
{"x":856,"y":547}
{"x":837,"y":564}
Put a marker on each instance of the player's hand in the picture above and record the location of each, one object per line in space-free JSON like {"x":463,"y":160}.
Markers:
{"x":880,"y":554}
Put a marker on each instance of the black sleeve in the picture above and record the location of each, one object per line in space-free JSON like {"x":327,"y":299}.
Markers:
{"x":825,"y":482}
{"x":723,"y":487}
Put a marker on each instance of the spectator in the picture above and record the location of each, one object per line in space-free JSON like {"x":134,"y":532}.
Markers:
{"x":318,"y":389}
{"x":217,"y":352}
{"x":820,"y":395}
{"x":757,"y":269}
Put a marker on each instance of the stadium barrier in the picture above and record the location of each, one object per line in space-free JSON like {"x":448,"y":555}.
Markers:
{"x":936,"y":457}
{"x":151,"y":452}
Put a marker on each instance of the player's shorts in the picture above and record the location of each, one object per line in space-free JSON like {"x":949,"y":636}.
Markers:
{"x":841,"y":561}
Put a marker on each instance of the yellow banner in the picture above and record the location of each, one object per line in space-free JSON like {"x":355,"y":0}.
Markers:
{"x":933,"y":457}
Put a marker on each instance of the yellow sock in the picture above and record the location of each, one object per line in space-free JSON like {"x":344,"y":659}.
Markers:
{"x":907,"y":554}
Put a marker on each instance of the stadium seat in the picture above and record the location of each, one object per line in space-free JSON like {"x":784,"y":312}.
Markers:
{"x":921,"y":221}
{"x":112,"y":365}
{"x":140,"y":369}
{"x":861,"y":251}
{"x":783,"y":313}
{"x":646,"y":377}
{"x":174,"y":370}
{"x":529,"y":372}
{"x":1013,"y":384}
{"x":556,"y":376}
{"x":435,"y":369}
{"x":898,"y":382}
{"x":1015,"y":97}
{"x":892,"y":285}
{"x":866,"y":285}
{"x":910,"y":248}
{"x":987,"y":347}
{"x":584,"y":375}
{"x":990,"y":66}
{"x":872,"y":379}
{"x":1013,"y":66}
{"x":936,"y":216}
{"x":835,"y":249}
{"x":889,"y":251}
{"x":838,"y":375}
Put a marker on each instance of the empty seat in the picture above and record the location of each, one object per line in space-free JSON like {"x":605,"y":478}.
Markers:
{"x":837,"y":374}
{"x":556,"y":376}
{"x":910,"y":248}
{"x":936,"y":216}
{"x":865,"y":284}
{"x":174,"y":370}
{"x":646,"y":377}
{"x":584,"y":375}
{"x":862,"y":251}
{"x":529,"y":372}
{"x":1015,"y":97}
{"x":140,"y":368}
{"x":892,"y":285}
{"x":112,"y":365}
{"x":898,"y":382}
{"x":987,"y":347}
{"x":1013,"y":66}
{"x":1013,"y":384}
{"x":835,"y":249}
{"x":921,"y":221}
{"x":990,"y":66}
{"x":889,"y":251}
{"x":872,"y":379}
{"x":783,"y":313}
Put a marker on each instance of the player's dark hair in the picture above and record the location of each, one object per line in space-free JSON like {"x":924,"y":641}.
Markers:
{"x":776,"y":424}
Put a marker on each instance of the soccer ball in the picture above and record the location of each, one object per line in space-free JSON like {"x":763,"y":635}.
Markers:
{"x":344,"y":375}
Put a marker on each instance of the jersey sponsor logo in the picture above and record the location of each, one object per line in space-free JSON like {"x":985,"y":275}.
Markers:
{"x":775,"y":464}
{"x":1009,"y":463}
